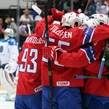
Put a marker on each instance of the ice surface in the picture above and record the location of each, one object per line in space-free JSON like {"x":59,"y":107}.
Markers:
{"x":3,"y":103}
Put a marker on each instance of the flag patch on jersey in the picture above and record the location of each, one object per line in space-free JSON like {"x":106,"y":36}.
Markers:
{"x":88,"y":35}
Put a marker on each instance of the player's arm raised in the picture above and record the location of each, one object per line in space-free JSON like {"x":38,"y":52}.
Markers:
{"x":55,"y":15}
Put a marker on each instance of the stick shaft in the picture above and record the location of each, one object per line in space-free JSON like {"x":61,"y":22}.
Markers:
{"x":85,"y":77}
{"x":101,"y":67}
{"x":47,"y":7}
{"x":103,"y":60}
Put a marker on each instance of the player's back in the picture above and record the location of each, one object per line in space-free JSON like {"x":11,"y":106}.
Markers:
{"x":29,"y":61}
{"x":69,"y":40}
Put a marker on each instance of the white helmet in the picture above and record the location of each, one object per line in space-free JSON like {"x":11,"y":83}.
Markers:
{"x":69,"y":19}
{"x":10,"y":31}
{"x":91,"y":23}
{"x":83,"y":17}
{"x":101,"y":18}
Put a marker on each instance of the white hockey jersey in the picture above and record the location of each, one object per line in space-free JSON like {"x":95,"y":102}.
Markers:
{"x":8,"y":50}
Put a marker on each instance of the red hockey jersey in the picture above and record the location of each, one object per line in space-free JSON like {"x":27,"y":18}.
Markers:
{"x":69,"y":40}
{"x":98,"y":87}
{"x":29,"y":61}
{"x":91,"y":86}
{"x":66,"y":58}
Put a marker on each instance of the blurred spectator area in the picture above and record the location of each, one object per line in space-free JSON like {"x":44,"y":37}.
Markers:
{"x":59,"y":4}
{"x":12,"y":9}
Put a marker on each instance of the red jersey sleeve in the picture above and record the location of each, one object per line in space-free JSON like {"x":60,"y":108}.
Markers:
{"x":40,"y":27}
{"x":76,"y":59}
{"x":99,"y":33}
{"x":94,"y":68}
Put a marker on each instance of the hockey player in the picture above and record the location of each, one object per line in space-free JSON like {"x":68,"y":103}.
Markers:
{"x":69,"y":38}
{"x":64,"y":89}
{"x":29,"y":88}
{"x":96,"y":94}
{"x":8,"y":63}
{"x":96,"y":91}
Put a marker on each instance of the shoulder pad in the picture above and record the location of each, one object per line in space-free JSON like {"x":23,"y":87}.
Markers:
{"x":12,"y":41}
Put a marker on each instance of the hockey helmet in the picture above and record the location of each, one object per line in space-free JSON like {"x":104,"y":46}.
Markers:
{"x":91,"y":23}
{"x":83,"y":17}
{"x":69,"y":19}
{"x":101,"y":18}
{"x":9,"y":31}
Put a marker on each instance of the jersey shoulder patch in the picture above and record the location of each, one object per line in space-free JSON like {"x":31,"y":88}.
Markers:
{"x":12,"y":41}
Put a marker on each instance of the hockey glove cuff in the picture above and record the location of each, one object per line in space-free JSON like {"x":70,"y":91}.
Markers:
{"x":11,"y":67}
{"x":89,"y":52}
{"x":51,"y":52}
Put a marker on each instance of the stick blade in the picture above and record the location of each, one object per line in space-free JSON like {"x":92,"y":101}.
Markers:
{"x":36,"y":9}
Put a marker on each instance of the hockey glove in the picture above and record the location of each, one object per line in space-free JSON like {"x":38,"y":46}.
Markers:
{"x":57,"y":15}
{"x":11,"y":67}
{"x":51,"y":52}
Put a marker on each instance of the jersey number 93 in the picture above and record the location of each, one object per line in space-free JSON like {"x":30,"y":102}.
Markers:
{"x":31,"y":56}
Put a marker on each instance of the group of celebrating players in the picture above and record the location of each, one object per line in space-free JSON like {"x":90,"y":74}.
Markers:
{"x":76,"y":42}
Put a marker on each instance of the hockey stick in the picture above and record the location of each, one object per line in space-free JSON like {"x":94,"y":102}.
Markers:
{"x":85,"y":77}
{"x":29,"y":30}
{"x":37,"y":9}
{"x":101,"y":67}
{"x":46,"y":8}
{"x":102,"y":61}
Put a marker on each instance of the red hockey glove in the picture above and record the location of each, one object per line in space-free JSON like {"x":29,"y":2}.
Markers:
{"x":51,"y":52}
{"x":57,"y":15}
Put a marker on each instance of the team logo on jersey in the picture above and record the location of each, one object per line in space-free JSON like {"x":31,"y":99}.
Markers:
{"x":63,"y":83}
{"x":101,"y":15}
{"x":37,"y":89}
{"x":1,"y":49}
